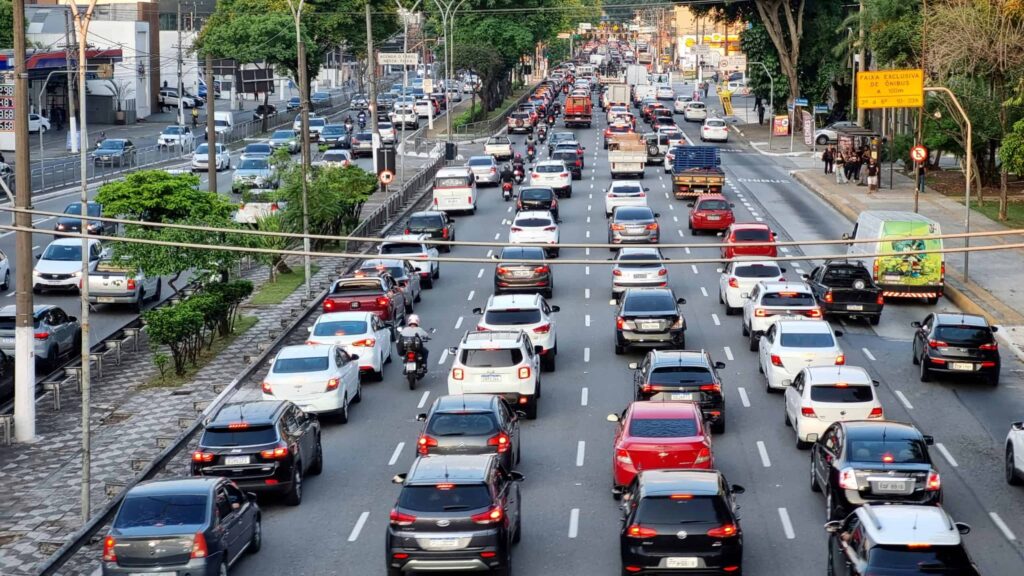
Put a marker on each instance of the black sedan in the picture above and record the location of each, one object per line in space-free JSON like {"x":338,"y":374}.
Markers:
{"x":471,"y":424}
{"x":112,"y":151}
{"x":649,"y":317}
{"x":72,"y":222}
{"x":956,"y":344}
{"x":682,"y":376}
{"x":537,"y":198}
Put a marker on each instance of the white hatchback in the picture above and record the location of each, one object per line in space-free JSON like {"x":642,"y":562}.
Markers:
{"x":535,"y":227}
{"x":319,"y":378}
{"x":822,"y":396}
{"x":714,"y":130}
{"x":739,"y":277}
{"x":789,"y":346}
{"x":554,"y":174}
{"x":412,"y":247}
{"x":624,"y":193}
{"x":664,"y":92}
{"x":530,"y":313}
{"x":679,"y":104}
{"x":695,"y":112}
{"x":769,"y":301}
{"x":386,"y":131}
{"x":361,"y":334}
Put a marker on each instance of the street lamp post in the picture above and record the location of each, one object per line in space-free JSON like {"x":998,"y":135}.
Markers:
{"x":771,"y":99}
{"x":448,"y":9}
{"x":296,"y":8}
{"x":968,"y":172}
{"x":405,"y":81}
{"x":39,"y":108}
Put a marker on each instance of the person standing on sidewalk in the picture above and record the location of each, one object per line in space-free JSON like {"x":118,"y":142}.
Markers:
{"x":760,"y":113}
{"x":873,"y":173}
{"x":827,"y":158}
{"x":840,"y":168}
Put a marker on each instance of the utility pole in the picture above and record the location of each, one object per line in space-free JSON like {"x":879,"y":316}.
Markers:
{"x":211,"y":127}
{"x":68,"y":60}
{"x":371,"y":75}
{"x":405,"y":81}
{"x":181,"y":84}
{"x":24,"y":332}
{"x":920,"y":166}
{"x":296,"y":8}
{"x":861,"y":56}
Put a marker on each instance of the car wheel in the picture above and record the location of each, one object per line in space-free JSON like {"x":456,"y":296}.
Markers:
{"x":743,"y":328}
{"x":815,"y":487}
{"x":343,"y":412}
{"x":719,"y":427}
{"x":256,"y":542}
{"x":925,"y":372}
{"x":359,"y":392}
{"x":547,"y":362}
{"x":730,"y":311}
{"x":419,"y":295}
{"x":7,"y":281}
{"x":822,"y":140}
{"x":829,"y":570}
{"x":140,"y":301}
{"x":753,"y":342}
{"x":159,"y":289}
{"x":785,"y":419}
{"x":620,"y":349}
{"x":223,"y":570}
{"x":318,"y":462}
{"x":800,"y":444}
{"x":1012,"y":477}
{"x":294,"y":495}
{"x":437,"y":272}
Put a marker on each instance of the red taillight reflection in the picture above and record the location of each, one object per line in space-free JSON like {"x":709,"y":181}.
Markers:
{"x":501,"y":442}
{"x":425,"y":443}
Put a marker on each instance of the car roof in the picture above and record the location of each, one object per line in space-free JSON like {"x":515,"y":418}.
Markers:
{"x":341,"y":316}
{"x":482,"y":157}
{"x":252,"y":412}
{"x":825,"y":375}
{"x":407,"y":238}
{"x":809,"y":326}
{"x":37,"y":310}
{"x":679,"y":358}
{"x":548,"y":189}
{"x":786,"y":286}
{"x":480,"y":339}
{"x":534,"y":214}
{"x":946,"y":318}
{"x":704,"y":197}
{"x":865,"y":429}
{"x":511,"y":251}
{"x":646,"y":409}
{"x":188,"y":485}
{"x":453,"y":171}
{"x":462,"y":468}
{"x":750,"y":226}
{"x":466,"y":403}
{"x":305,"y":351}
{"x":551,"y":163}
{"x":632,"y":209}
{"x":901,"y":524}
{"x":506,"y":301}
{"x":642,"y":250}
{"x":426,"y":213}
{"x":665,"y":482}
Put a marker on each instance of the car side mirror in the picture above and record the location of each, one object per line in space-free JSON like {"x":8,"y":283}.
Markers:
{"x":719,"y":270}
{"x":618,"y":491}
{"x":613,"y":302}
{"x":1017,"y":425}
{"x":251,"y":496}
{"x":38,"y":256}
{"x":657,"y":214}
{"x":647,"y":189}
{"x":72,"y":318}
{"x":929,"y":439}
{"x":846,"y":236}
{"x":719,"y":365}
{"x":516,"y":476}
{"x":737,"y":489}
{"x":876,"y":383}
{"x":421,"y":417}
{"x":353,"y":357}
{"x":235,"y":505}
{"x":478,"y":311}
{"x":963,"y":528}
{"x":538,"y":349}
{"x":612,"y":418}
{"x":556,"y":308}
{"x":309,"y":329}
{"x":633,"y":365}
{"x":834,"y":526}
{"x":838,"y":333}
{"x":804,"y":276}
{"x":680,"y":300}
{"x":731,"y":205}
{"x":775,"y":235}
{"x":398,"y":479}
{"x":453,"y":350}
{"x":690,"y":204}
{"x":995,"y":328}
{"x":915,"y":324}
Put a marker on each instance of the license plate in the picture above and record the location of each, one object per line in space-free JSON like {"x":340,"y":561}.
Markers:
{"x":714,"y":217}
{"x":7,"y":340}
{"x":105,"y":299}
{"x":522,"y":274}
{"x":491,"y":378}
{"x":444,"y":543}
{"x":452,"y":201}
{"x":410,"y":366}
{"x":681,"y":563}
{"x":235,"y":460}
{"x":892,"y":278}
{"x":892,"y":486}
{"x":961,"y":366}
{"x":855,"y":307}
{"x":649,"y":326}
{"x":682,"y":396}
{"x":639,"y":276}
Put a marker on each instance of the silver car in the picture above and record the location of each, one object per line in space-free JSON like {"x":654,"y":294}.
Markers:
{"x":633,"y":225}
{"x":201,"y":158}
{"x":253,"y":173}
{"x":631,"y":271}
{"x":285,"y":139}
{"x":485,"y":169}
{"x":56,"y":333}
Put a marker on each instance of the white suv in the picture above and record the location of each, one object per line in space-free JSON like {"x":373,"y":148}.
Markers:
{"x":530,"y":313}
{"x":695,"y":111}
{"x":739,"y":277}
{"x":409,"y":247}
{"x":624,"y":193}
{"x":822,"y":395}
{"x":554,"y":174}
{"x":505,"y":363}
{"x":1015,"y":454}
{"x":535,"y":227}
{"x":771,"y":301}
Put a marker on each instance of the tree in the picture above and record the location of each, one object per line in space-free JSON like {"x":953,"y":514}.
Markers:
{"x":6,"y":25}
{"x":335,"y":196}
{"x":122,"y":89}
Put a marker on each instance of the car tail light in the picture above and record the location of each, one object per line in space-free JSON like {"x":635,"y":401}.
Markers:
{"x":848,"y":479}
{"x":108,"y":549}
{"x":550,"y":228}
{"x":501,"y":271}
{"x":942,"y":273}
{"x":616,"y":272}
{"x":494,"y":170}
{"x":990,"y":346}
{"x":131,"y":283}
{"x":647,"y":388}
{"x":501,"y":441}
{"x":638,"y":531}
{"x":876,"y":413}
{"x":880,"y":300}
{"x":458,"y":374}
{"x":277,"y":453}
{"x":42,"y":335}
{"x":703,"y":457}
{"x":808,"y":412}
{"x":564,"y":175}
{"x":724,"y":531}
{"x":620,"y":322}
{"x":407,"y":231}
{"x":410,"y":356}
{"x":493,"y":516}
{"x":936,"y":344}
{"x":579,"y":163}
{"x":542,"y":329}
{"x":776,"y":360}
{"x":541,"y":270}
{"x":469,"y":199}
{"x":642,"y":195}
{"x":828,"y":298}
{"x":652,"y":226}
{"x":814,"y":313}
{"x":760,"y":312}
{"x":622,"y":457}
{"x":841,"y":360}
{"x":711,"y":388}
{"x":266,"y":387}
{"x":333,"y":384}
{"x":329,"y":305}
{"x":204,"y":457}
{"x":524,"y":372}
{"x":199,"y":549}
{"x":444,"y":233}
{"x":515,"y":229}
{"x":934,"y":482}
{"x":534,"y":175}
{"x":399,"y":519}
{"x":424,"y":443}
{"x":519,"y":205}
{"x":734,"y":283}
{"x":365,"y":342}
{"x":618,"y":227}
{"x":383,"y":301}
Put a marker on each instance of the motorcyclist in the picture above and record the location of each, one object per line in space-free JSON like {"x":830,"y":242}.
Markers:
{"x":348,"y":122}
{"x":531,"y":151}
{"x":362,"y":119}
{"x":410,"y":333}
{"x":506,"y":174}
{"x":517,"y":163}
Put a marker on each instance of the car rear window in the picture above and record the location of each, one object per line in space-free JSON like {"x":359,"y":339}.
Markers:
{"x":452,"y":182}
{"x":397,"y":248}
{"x":162,"y":510}
{"x":499,"y":358}
{"x":787,"y":299}
{"x":445,"y":497}
{"x":355,"y":286}
{"x":522,"y":254}
{"x":249,"y":436}
{"x":649,"y":302}
{"x":681,"y":375}
{"x":894,"y":451}
{"x":681,"y":510}
{"x":629,"y":260}
{"x":626,"y":190}
{"x":713,"y":205}
{"x":549,"y":168}
{"x":964,"y":334}
{"x":662,"y":427}
{"x":532,"y":222}
{"x":253,"y":164}
{"x":812,"y":340}
{"x":297,"y":365}
{"x":844,"y":276}
{"x":633,"y":214}
{"x":841,"y":394}
{"x":932,"y":559}
{"x":488,"y":161}
{"x":462,"y":424}
{"x":339,"y":328}
{"x":421,"y":222}
{"x":757,"y":271}
{"x":512,"y":317}
{"x":752,"y":235}
{"x":535,"y":194}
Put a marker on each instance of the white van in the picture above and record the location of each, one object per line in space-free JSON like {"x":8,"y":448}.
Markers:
{"x":455,"y":190}
{"x":893,"y":234}
{"x":223,"y":122}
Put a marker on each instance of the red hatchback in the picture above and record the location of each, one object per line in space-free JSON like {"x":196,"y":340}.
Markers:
{"x":710,"y":212}
{"x":749,"y":240}
{"x":658,"y":435}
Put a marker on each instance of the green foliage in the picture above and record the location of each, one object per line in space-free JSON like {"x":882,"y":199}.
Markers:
{"x":273,"y":223}
{"x":232,"y":294}
{"x":819,"y":66}
{"x":334,"y":195}
{"x":160,"y":360}
{"x":758,"y":47}
{"x":6,"y":25}
{"x":893,"y":29}
{"x":177,"y":327}
{"x":1011,"y":154}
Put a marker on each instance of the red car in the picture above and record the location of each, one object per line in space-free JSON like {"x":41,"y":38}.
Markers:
{"x":710,"y":212}
{"x":655,"y":435}
{"x":749,"y":240}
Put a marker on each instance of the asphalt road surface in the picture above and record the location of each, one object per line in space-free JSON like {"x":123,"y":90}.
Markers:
{"x":570,"y":520}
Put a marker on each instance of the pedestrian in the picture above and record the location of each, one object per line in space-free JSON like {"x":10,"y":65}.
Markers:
{"x":195,"y":116}
{"x":840,"y":168}
{"x":850,"y":162}
{"x":760,"y":113}
{"x":827,"y":159}
{"x":706,"y":87}
{"x":873,"y":172}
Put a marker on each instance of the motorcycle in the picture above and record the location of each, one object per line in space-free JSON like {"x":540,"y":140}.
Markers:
{"x":518,"y":174}
{"x":542,"y":134}
{"x":531,"y":153}
{"x":415,"y":367}
{"x":551,"y":120}
{"x":506,"y":191}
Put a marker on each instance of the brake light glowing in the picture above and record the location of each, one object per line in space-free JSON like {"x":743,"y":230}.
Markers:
{"x":848,"y":479}
{"x":108,"y":549}
{"x":267,"y":389}
{"x":760,"y":312}
{"x":410,"y":356}
{"x":620,"y":322}
{"x":828,"y":298}
{"x":814,"y":313}
{"x":776,"y":360}
{"x":703,"y":457}
{"x":238,"y":425}
{"x":458,"y":374}
{"x":808,"y":412}
{"x":329,"y":305}
{"x":276,"y":453}
{"x":131,"y":283}
{"x":199,"y":549}
{"x":424,"y":443}
{"x":711,"y":388}
{"x":934,"y":482}
{"x":876,"y":413}
{"x":724,"y":531}
{"x":365,"y":342}
{"x":991,"y":346}
{"x":841,"y":360}
{"x":42,"y":335}
{"x":492,"y":516}
{"x":618,"y":227}
{"x":204,"y":457}
{"x":399,"y":519}
{"x":881,"y":299}
{"x":542,"y":329}
{"x":652,"y":226}
{"x":524,"y":372}
{"x":936,"y":344}
{"x":638,"y":531}
{"x":333,"y":384}
{"x":383,"y":301}
{"x":541,"y":270}
{"x":734,"y":283}
{"x":502,"y":442}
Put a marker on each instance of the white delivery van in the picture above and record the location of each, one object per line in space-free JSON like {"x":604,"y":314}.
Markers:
{"x":455,"y":190}
{"x":223,"y":122}
{"x":893,"y":236}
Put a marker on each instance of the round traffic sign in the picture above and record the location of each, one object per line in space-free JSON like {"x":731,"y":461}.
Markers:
{"x":919,"y":153}
{"x":386,"y":176}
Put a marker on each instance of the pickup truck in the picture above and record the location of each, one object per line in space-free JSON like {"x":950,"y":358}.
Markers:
{"x":845,"y":288}
{"x":695,"y":171}
{"x":114,"y":283}
{"x":627,"y":155}
{"x":579,"y":111}
{"x":499,"y":146}
{"x":380,"y":295}
{"x":252,"y":212}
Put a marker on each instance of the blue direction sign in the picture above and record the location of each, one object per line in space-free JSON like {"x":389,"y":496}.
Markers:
{"x":821,"y":108}
{"x":801,"y":102}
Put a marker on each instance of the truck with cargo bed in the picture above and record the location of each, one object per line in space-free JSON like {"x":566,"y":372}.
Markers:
{"x":695,"y":171}
{"x":616,"y":95}
{"x":579,"y":111}
{"x":380,"y":295}
{"x":113,"y":282}
{"x":627,"y":154}
{"x":844,"y":288}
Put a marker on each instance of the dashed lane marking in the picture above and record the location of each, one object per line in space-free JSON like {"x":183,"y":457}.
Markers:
{"x":490,"y":253}
{"x":675,"y":218}
{"x":588,"y":233}
{"x":584,"y":396}
{"x":671,"y":207}
{"x":396,"y":454}
{"x":785,"y":249}
{"x":903,"y":400}
{"x":354,"y":535}
{"x":586,"y":354}
{"x":581,"y":448}
{"x":497,"y":235}
{"x":667,"y":196}
{"x":945,"y":454}
{"x":787,"y":525}
{"x":423,"y":399}
{"x":509,"y":210}
{"x":704,"y":291}
{"x":574,"y":522}
{"x":714,"y":318}
{"x":743,"y":397}
{"x":586,"y":293}
{"x":868,"y":354}
{"x":765,"y":460}
{"x":458,"y":323}
{"x":1002,"y":526}
{"x":588,"y":219}
{"x":471,"y":294}
{"x":586,"y":320}
{"x":586,"y":270}
{"x":759,"y":219}
{"x":687,"y":250}
{"x":694,"y":268}
{"x":444,"y":356}
{"x":480,"y":274}
{"x":728,"y":353}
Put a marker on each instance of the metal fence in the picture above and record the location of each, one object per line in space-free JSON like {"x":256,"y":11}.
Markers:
{"x":475,"y":130}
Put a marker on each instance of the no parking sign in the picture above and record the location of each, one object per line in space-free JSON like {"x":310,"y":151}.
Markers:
{"x":386,"y":177}
{"x":919,"y":153}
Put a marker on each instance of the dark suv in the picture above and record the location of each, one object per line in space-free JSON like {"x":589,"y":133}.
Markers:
{"x":471,"y":424}
{"x":435,"y":224}
{"x":682,"y":375}
{"x":454,"y":513}
{"x":264,"y":446}
{"x":960,"y":344}
{"x":858,"y":462}
{"x":537,"y":198}
{"x":572,"y":161}
{"x":520,"y":277}
{"x":681,"y":520}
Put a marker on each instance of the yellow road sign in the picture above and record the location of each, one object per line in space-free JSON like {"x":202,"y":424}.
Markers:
{"x":890,"y":89}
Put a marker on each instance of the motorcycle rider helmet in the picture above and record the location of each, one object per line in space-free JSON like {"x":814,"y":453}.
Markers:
{"x":519,"y":157}
{"x":413,"y":320}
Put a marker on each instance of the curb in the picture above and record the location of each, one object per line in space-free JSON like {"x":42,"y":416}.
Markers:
{"x":807,"y":154}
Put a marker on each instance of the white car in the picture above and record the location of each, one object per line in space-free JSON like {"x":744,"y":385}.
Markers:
{"x":297,"y":123}
{"x":695,"y":112}
{"x":714,"y":130}
{"x":530,"y":313}
{"x":535,"y":227}
{"x":663,"y":92}
{"x":177,"y":136}
{"x":553,"y":174}
{"x":770,"y":300}
{"x":60,"y":265}
{"x":5,"y":271}
{"x":424,"y":107}
{"x":789,"y":346}
{"x":504,"y":363}
{"x":1015,"y":454}
{"x":361,"y":334}
{"x":499,"y":146}
{"x":739,"y":277}
{"x":336,"y":158}
{"x":37,"y":123}
{"x":200,"y":158}
{"x":829,"y":133}
{"x":628,"y":273}
{"x":410,"y":247}
{"x":386,"y":131}
{"x":319,"y":378}
{"x":616,"y":112}
{"x":821,"y":396}
{"x":680,"y":102}
{"x":624,"y":193}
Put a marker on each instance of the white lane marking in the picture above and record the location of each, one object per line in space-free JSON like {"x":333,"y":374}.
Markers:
{"x":586,"y":270}
{"x":458,"y":323}
{"x":444,"y":356}
{"x":480,"y":274}
{"x":586,"y":354}
{"x":785,"y":249}
{"x":765,"y":461}
{"x":704,"y":291}
{"x":754,"y":214}
{"x":903,"y":400}
{"x":423,"y":399}
{"x":687,"y":250}
{"x":574,"y":522}
{"x":714,"y":318}
{"x":1002,"y":526}
{"x":694,"y":268}
{"x":490,"y":253}
{"x":800,"y":271}
{"x":787,"y":526}
{"x":358,"y":527}
{"x":945,"y":454}
{"x":586,"y":293}
{"x":396,"y":454}
{"x":584,"y":396}
{"x":498,"y":235}
{"x":680,"y":232}
{"x":868,"y":354}
{"x":667,"y":196}
{"x":588,"y":251}
{"x":588,"y":233}
{"x":728,"y":353}
{"x":471,"y":294}
{"x":743,"y":397}
{"x":675,"y":218}
{"x":11,"y":294}
{"x":581,"y":448}
{"x":586,"y":320}
{"x":509,"y":210}
{"x":671,"y":207}
{"x":589,"y":207}
{"x":588,"y":219}
{"x":759,"y":219}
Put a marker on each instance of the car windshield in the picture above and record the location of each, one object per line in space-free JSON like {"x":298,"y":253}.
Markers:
{"x":512,"y":317}
{"x":253,"y":164}
{"x":444,"y":497}
{"x":973,"y":335}
{"x":339,"y":328}
{"x":283,"y":135}
{"x":221,"y":123}
{"x":549,"y":168}
{"x":713,"y":205}
{"x":162,"y":510}
{"x":682,"y":375}
{"x":841,"y":394}
{"x":75,"y":209}
{"x":665,"y":510}
{"x":812,"y":340}
{"x":173,"y":130}
{"x":334,"y":130}
{"x":567,"y":156}
{"x":296,"y":365}
{"x":633,"y":214}
{"x":238,"y":436}
{"x":752,"y":235}
{"x":648,"y":302}
{"x":481,"y":161}
{"x":532,"y":222}
{"x":757,"y":271}
{"x":317,"y":122}
{"x":425,"y":222}
{"x":917,"y":560}
{"x":662,"y":427}
{"x":336,"y":155}
{"x":203,"y":149}
{"x":498,"y":358}
{"x":462,"y":424}
{"x":63,"y":252}
{"x":397,"y":248}
{"x":787,"y":299}
{"x":889,"y":451}
{"x":112,"y":145}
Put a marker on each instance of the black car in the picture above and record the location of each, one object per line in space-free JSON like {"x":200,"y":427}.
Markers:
{"x":537,"y":198}
{"x":435,"y":224}
{"x":197,"y":526}
{"x":682,"y":375}
{"x":335,"y":136}
{"x":556,"y":137}
{"x":858,"y":462}
{"x":681,"y":521}
{"x":112,"y":151}
{"x":521,"y":277}
{"x":649,"y":317}
{"x":265,"y":446}
{"x":264,"y":110}
{"x":73,"y":221}
{"x":572,"y":161}
{"x":959,"y":344}
{"x":471,"y":424}
{"x":454,"y":513}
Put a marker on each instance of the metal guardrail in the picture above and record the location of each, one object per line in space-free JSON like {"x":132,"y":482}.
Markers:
{"x":475,"y":130}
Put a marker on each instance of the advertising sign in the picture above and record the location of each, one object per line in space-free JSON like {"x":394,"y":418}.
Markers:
{"x":398,"y":58}
{"x":780,"y":126}
{"x":808,"y":125}
{"x":6,"y":110}
{"x":890,"y":89}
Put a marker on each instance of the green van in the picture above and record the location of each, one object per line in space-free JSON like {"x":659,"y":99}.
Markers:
{"x":895,"y":235}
